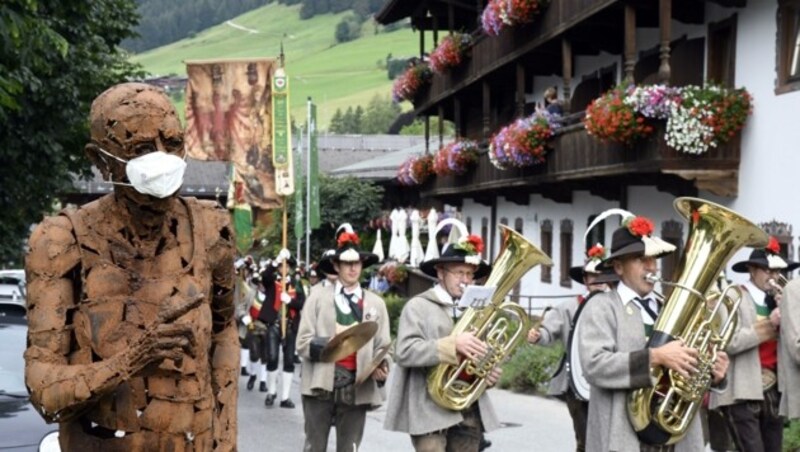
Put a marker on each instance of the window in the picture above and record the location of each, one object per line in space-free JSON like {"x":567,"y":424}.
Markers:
{"x":596,"y":235}
{"x":468,"y":224}
{"x":782,"y":232}
{"x":788,"y":41}
{"x":485,"y":236}
{"x":672,"y":232}
{"x":547,"y":248}
{"x":566,"y":252}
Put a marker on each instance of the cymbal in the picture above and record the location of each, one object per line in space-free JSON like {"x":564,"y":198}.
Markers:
{"x":348,"y":341}
{"x":376,"y":361}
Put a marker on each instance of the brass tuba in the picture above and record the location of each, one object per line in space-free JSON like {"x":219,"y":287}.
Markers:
{"x":661,"y":415}
{"x":502,"y":325}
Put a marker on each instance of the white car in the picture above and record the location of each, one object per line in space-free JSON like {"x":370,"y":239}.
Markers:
{"x":12,"y":286}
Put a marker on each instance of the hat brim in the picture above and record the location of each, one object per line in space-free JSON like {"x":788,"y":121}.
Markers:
{"x":634,"y":249}
{"x":429,"y":267}
{"x":325,"y":265}
{"x":741,"y":266}
{"x":576,"y":274}
{"x":607,"y":275}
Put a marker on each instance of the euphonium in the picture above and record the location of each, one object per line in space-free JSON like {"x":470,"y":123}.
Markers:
{"x":662,"y":414}
{"x":777,"y":283}
{"x":502,"y":325}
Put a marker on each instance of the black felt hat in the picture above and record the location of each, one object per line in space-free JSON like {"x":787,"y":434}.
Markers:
{"x":768,"y":257}
{"x":634,"y":238}
{"x":347,"y":250}
{"x":593,"y":265}
{"x":467,"y":251}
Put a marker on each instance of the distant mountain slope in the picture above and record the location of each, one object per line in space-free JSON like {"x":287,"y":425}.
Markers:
{"x":334,"y":75}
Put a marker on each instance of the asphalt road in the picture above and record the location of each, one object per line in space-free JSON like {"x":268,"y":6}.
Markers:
{"x":530,"y":423}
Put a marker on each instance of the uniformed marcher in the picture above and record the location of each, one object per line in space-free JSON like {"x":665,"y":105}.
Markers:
{"x":750,"y":404}
{"x":615,"y":327}
{"x":557,"y":326}
{"x":424,"y":340}
{"x":330,"y":392}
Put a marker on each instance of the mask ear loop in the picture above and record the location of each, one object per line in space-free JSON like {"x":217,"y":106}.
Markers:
{"x":117,"y":159}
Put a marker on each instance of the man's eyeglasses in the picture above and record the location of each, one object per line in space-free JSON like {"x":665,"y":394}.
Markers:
{"x":461,"y":274}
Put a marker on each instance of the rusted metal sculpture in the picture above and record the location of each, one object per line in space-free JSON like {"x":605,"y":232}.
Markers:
{"x":132,"y":340}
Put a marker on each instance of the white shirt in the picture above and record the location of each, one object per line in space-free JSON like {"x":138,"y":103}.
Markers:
{"x":757,"y":294}
{"x":628,"y":295}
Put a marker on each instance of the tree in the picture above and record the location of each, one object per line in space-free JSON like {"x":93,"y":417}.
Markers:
{"x":348,"y":121}
{"x":349,"y":28}
{"x":55,"y":58}
{"x":381,"y":112}
{"x":358,"y":120}
{"x":341,"y":200}
{"x":337,"y":122}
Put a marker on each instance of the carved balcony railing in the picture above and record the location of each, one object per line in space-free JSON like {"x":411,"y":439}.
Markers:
{"x":579,"y":161}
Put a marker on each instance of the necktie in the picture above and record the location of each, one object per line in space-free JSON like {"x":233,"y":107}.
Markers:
{"x":645,"y":304}
{"x":357,"y":313}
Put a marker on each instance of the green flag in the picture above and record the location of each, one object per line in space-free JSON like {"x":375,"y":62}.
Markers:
{"x":243,"y":225}
{"x":313,"y":170}
{"x":299,"y":197}
{"x":281,"y":131}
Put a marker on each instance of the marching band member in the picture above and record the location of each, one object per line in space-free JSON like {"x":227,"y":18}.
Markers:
{"x":330,"y":391}
{"x":557,"y":325}
{"x":751,"y":402}
{"x":424,"y":340}
{"x":613,"y":352}
{"x":789,"y":351}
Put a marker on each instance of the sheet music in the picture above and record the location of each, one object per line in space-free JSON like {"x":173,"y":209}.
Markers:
{"x":476,"y":296}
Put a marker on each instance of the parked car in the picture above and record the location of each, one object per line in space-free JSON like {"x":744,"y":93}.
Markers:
{"x":21,"y":426}
{"x":12,"y":286}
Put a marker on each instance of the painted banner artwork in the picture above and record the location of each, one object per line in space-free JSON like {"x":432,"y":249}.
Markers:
{"x":229,"y":118}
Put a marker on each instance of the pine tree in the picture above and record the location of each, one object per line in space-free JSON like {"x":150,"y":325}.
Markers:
{"x":337,"y":122}
{"x":358,"y":120}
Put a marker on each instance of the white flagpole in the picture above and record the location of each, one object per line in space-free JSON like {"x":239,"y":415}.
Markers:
{"x":300,"y":144}
{"x":308,"y":182}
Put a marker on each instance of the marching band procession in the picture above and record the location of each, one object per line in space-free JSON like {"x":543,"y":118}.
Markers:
{"x":154,"y":313}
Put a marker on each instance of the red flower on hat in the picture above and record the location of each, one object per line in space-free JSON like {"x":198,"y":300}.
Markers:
{"x":640,"y":226}
{"x":596,"y":251}
{"x":347,"y":237}
{"x":773,"y":246}
{"x":472,"y":244}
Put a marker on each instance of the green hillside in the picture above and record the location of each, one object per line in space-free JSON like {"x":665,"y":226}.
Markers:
{"x":334,"y":75}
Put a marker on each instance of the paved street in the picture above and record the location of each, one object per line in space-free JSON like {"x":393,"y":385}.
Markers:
{"x":529,"y":423}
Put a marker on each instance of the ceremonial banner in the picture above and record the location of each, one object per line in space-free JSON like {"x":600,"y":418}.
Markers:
{"x":299,"y":198}
{"x":313,"y":170}
{"x":242,"y":214}
{"x":282,"y":134}
{"x":228,"y":117}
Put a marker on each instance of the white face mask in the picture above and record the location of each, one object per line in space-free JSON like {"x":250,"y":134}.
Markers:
{"x":156,"y":174}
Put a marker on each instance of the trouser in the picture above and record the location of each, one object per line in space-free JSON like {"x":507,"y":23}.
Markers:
{"x":463,"y":437}
{"x":719,"y":433}
{"x":321,"y":412}
{"x":579,"y":412}
{"x":266,"y":346}
{"x":756,"y":424}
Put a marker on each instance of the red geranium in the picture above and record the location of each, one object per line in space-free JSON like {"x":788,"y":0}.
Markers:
{"x":596,"y":251}
{"x":476,"y":242}
{"x":773,"y":245}
{"x":449,"y":52}
{"x":640,"y":226}
{"x":347,"y":237}
{"x":610,"y":118}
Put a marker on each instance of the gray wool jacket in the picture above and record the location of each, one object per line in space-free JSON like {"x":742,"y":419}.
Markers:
{"x":424,"y":341}
{"x":789,"y":351}
{"x":744,"y":368}
{"x":555,"y":327}
{"x":318,"y":319}
{"x":615,"y":360}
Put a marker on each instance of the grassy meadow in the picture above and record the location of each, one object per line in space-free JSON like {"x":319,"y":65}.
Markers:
{"x":334,"y":75}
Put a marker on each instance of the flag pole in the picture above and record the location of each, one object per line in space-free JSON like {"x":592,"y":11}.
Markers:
{"x":308,"y":182}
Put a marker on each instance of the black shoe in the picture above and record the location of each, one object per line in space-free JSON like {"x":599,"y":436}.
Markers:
{"x":245,"y":372}
{"x":262,"y":387}
{"x":485,"y":444}
{"x":287,"y":403}
{"x":270,"y":400}
{"x":251,"y":382}
{"x":297,"y":359}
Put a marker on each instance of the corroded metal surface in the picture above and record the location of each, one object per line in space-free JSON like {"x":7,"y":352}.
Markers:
{"x":132,"y":343}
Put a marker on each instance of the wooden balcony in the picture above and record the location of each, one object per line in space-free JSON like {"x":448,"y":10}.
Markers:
{"x":578,"y":161}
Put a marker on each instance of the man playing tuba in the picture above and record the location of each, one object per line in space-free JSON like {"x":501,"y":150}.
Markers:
{"x":424,"y":341}
{"x":613,"y":337}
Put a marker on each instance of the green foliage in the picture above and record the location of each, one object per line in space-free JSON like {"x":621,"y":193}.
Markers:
{"x":55,"y":58}
{"x":531,"y":368}
{"x":380,"y":113}
{"x":791,"y":436}
{"x":394,"y":306}
{"x":165,"y":21}
{"x":395,"y":66}
{"x":342,"y":200}
{"x":418,"y":127}
{"x":348,"y":29}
